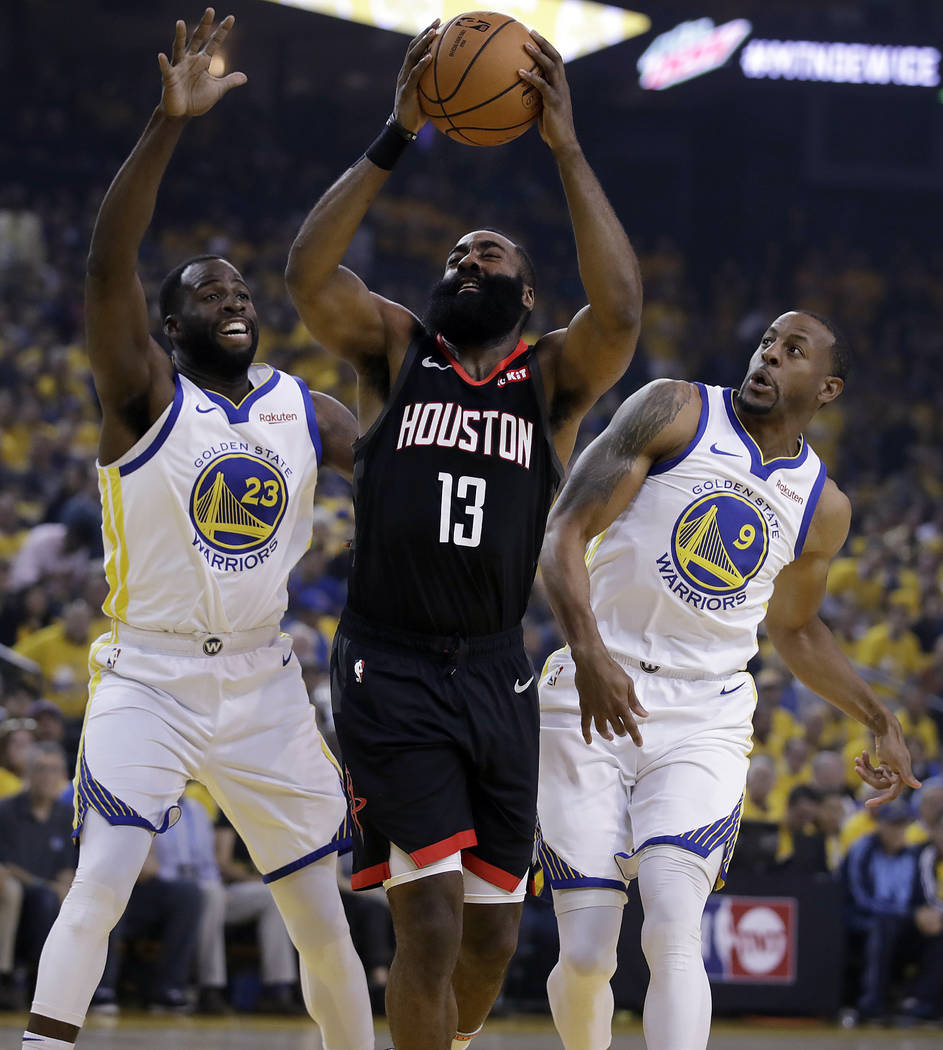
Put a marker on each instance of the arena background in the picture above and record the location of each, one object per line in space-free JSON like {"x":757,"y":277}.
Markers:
{"x":746,"y":190}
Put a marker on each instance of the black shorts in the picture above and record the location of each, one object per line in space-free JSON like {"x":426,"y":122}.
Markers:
{"x":439,"y":742}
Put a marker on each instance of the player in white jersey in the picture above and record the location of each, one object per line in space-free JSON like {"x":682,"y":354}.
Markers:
{"x":697,"y":513}
{"x":207,"y":470}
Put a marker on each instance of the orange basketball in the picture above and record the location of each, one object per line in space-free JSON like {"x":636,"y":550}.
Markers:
{"x":471,"y":90}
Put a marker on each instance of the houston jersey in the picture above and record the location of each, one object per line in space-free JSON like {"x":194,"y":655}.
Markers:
{"x":682,"y":577}
{"x":452,"y":487}
{"x":207,"y":514}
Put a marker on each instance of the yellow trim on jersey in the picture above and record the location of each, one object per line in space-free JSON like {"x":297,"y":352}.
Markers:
{"x":95,"y":671}
{"x":556,"y":655}
{"x":593,"y":546}
{"x":116,"y":564}
{"x":330,"y":757}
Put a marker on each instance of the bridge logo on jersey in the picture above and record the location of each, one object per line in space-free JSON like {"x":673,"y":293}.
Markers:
{"x":236,"y":505}
{"x":719,"y":543}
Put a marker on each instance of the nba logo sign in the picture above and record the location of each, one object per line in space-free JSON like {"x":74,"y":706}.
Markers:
{"x":358,"y":670}
{"x":750,"y":939}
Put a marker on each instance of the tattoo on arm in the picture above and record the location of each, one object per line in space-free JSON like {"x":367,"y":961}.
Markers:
{"x":619,"y":449}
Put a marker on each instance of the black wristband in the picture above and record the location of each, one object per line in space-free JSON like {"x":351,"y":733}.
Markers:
{"x":388,"y":146}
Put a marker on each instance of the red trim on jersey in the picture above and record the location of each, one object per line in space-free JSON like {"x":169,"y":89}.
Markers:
{"x":516,"y":352}
{"x":445,"y":847}
{"x":362,"y":880}
{"x":504,"y":880}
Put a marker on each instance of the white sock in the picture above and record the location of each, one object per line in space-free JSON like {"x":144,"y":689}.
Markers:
{"x":461,"y":1039}
{"x":674,"y":884}
{"x":44,"y":1042}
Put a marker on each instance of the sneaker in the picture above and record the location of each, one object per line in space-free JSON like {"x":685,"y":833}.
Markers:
{"x":279,"y":999}
{"x":171,"y":1001}
{"x":212,"y":1002}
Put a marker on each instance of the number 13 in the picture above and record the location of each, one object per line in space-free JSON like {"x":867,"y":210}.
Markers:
{"x":462,"y":534}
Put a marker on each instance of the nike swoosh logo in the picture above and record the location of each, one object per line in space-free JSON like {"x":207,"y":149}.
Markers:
{"x":724,"y":692}
{"x":200,"y":408}
{"x":518,"y":688}
{"x":285,"y":660}
{"x":721,"y":452}
{"x":427,"y":362}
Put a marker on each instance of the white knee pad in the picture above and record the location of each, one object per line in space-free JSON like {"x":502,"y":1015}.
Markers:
{"x":670,"y":945}
{"x":91,"y":906}
{"x":589,"y":935}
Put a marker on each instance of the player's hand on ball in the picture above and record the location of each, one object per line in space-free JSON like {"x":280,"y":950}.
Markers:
{"x":607,"y":698}
{"x":189,"y":87}
{"x":555,"y":122}
{"x":406,"y":110}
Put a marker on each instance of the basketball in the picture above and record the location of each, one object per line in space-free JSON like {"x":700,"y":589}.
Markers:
{"x":471,"y":90}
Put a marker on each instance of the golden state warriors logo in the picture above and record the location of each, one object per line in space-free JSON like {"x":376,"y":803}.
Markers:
{"x":720,"y":542}
{"x":237,"y":502}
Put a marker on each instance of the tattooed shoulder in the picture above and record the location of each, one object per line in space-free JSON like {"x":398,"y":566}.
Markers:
{"x":648,"y":412}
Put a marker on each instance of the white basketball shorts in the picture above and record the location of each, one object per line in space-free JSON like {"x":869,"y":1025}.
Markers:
{"x":230,"y":711}
{"x":600,"y":804}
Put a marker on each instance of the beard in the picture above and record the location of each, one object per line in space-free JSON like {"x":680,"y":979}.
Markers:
{"x":475,"y":318}
{"x":200,"y":347}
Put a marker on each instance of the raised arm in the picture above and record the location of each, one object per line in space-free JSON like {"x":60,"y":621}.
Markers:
{"x":338,"y":429}
{"x":598,"y":345}
{"x":334,"y":303}
{"x":133,"y":375}
{"x":655,"y":423}
{"x":813,"y":655}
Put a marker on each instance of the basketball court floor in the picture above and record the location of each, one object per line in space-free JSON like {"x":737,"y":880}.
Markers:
{"x":143,"y":1032}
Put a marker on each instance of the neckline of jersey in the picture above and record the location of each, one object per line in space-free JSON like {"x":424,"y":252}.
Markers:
{"x":516,"y":352}
{"x":758,"y":463}
{"x":254,"y":393}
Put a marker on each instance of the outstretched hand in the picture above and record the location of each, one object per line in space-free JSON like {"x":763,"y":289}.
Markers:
{"x":406,"y":108}
{"x":555,"y":122}
{"x":189,"y":87}
{"x":893,"y":772}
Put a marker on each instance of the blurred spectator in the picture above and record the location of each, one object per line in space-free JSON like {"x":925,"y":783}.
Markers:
{"x":36,"y":847}
{"x":915,"y":720}
{"x":795,"y":768}
{"x":61,"y":549}
{"x":50,"y":724}
{"x":802,"y":846}
{"x":17,"y":737}
{"x":61,"y":650}
{"x":924,"y":999}
{"x":891,"y":647}
{"x":759,"y":802}
{"x":188,"y":850}
{"x":880,"y":880}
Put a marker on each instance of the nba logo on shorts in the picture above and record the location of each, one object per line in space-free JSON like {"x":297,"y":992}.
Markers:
{"x":358,"y":670}
{"x":552,"y":679}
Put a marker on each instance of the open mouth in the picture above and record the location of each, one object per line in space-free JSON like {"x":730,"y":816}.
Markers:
{"x":467,"y":286}
{"x":234,"y":332}
{"x":761,"y":381}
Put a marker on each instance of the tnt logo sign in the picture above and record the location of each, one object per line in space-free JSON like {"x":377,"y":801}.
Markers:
{"x":514,"y":375}
{"x":750,"y":939}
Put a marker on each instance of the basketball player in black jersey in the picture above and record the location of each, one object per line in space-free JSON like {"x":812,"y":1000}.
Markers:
{"x":464,"y":429}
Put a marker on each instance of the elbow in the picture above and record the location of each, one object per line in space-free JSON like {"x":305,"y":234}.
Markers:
{"x":293,"y":272}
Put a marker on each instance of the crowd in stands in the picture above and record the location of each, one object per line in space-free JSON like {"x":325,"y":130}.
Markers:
{"x":804,"y":807}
